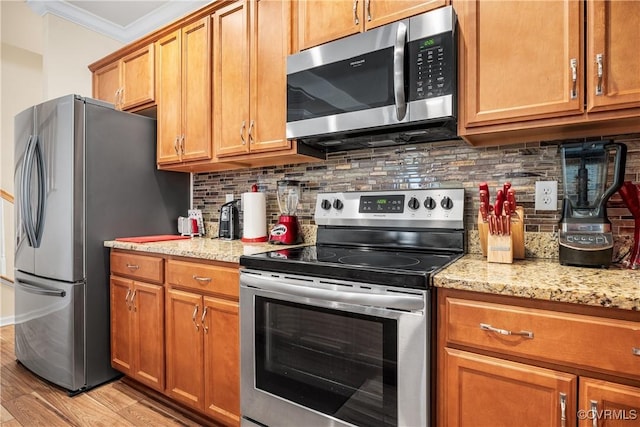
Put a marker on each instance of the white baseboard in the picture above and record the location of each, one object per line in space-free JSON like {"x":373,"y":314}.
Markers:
{"x":7,"y":320}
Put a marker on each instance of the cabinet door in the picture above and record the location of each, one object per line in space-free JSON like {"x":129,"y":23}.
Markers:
{"x":106,"y":83}
{"x":516,"y":60}
{"x":482,"y":390}
{"x":121,"y":332}
{"x":147,"y":302}
{"x":184,"y":347}
{"x":381,"y":12}
{"x":231,"y":79}
{"x":222,"y":360}
{"x":610,"y":404}
{"x":138,"y":78}
{"x":320,"y":21}
{"x":271,"y":43}
{"x":196,"y":90}
{"x":169,"y":97}
{"x":612,"y":48}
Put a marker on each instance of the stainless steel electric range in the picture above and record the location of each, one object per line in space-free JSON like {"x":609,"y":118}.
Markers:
{"x":339,"y":334}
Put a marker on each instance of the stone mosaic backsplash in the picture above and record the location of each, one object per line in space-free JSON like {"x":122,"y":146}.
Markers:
{"x":422,"y":166}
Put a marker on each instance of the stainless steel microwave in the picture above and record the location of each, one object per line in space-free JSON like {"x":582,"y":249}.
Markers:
{"x":394,"y":84}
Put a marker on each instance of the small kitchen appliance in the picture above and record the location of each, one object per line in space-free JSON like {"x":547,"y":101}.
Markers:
{"x":585,"y":231}
{"x":287,"y":230}
{"x":229,"y":226}
{"x":340,"y":333}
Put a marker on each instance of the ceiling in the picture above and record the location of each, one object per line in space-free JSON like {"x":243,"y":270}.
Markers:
{"x":123,"y":20}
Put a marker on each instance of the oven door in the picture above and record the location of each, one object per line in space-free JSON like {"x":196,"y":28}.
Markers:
{"x":320,"y":352}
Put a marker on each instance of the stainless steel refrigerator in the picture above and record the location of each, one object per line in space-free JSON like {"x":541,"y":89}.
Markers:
{"x":84,"y":173}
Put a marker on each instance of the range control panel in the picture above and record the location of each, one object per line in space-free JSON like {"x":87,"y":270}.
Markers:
{"x":424,"y":208}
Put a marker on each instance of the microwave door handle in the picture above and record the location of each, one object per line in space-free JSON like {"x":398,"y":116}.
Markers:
{"x":398,"y":71}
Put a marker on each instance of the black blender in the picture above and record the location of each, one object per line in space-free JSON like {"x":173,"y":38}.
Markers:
{"x":585,"y":230}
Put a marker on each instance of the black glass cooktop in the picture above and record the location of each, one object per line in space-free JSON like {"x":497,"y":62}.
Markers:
{"x":410,"y":269}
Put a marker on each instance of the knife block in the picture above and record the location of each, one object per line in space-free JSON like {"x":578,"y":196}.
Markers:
{"x":507,"y":248}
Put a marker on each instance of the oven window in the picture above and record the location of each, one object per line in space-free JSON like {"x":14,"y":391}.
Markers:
{"x":354,"y":84}
{"x":338,"y":363}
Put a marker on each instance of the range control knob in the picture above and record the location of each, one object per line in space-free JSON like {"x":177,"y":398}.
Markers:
{"x":413,"y":203}
{"x":446,"y":203}
{"x":337,"y":203}
{"x":430,"y":203}
{"x":325,"y":204}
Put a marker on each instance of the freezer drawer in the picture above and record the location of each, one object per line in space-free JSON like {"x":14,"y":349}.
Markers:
{"x":50,"y":329}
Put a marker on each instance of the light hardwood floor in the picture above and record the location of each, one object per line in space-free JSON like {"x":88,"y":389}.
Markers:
{"x":28,"y":401}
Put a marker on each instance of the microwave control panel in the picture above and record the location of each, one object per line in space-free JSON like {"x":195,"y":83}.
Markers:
{"x":432,"y":70}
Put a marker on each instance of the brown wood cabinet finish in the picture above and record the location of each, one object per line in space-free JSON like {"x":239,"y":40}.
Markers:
{"x":520,"y":83}
{"x":611,"y":404}
{"x":500,"y":358}
{"x":181,"y":336}
{"x":183,"y":88}
{"x":486,"y":391}
{"x":129,"y":82}
{"x":141,"y":267}
{"x":137,"y":325}
{"x":322,"y":21}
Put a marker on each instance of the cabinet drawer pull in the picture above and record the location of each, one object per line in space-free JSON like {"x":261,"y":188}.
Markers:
{"x":356,"y":21}
{"x":635,"y":351}
{"x":133,"y":267}
{"x":202,"y":279}
{"x":251,"y":132}
{"x":133,"y":297}
{"x":244,"y":123}
{"x":193,"y":317}
{"x":182,"y":149}
{"x":368,"y":7}
{"x":593,"y":412}
{"x":563,"y":409}
{"x":204,"y":325}
{"x":175,"y":146}
{"x":486,"y":327}
{"x":574,"y":78}
{"x":126,"y":299}
{"x":600,"y":67}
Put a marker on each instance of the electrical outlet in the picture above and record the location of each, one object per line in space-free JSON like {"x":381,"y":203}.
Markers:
{"x":229,"y":197}
{"x":546,"y":196}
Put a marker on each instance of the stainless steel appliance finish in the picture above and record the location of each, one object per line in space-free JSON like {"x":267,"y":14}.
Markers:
{"x":338,"y":334}
{"x":85,"y":173}
{"x":401,"y":76}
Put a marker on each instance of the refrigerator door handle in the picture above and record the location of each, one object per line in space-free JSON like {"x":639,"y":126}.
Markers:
{"x":25,"y":183}
{"x":35,"y":289}
{"x":39,"y":225}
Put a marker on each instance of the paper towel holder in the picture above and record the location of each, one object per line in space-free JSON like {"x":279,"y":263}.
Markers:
{"x":254,"y":206}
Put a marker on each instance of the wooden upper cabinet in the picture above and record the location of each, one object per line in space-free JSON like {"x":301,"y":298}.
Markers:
{"x":231,"y":79}
{"x":613,"y":71}
{"x":106,"y":82}
{"x":184,"y":94}
{"x":251,"y":43}
{"x":522,"y":60}
{"x":321,"y":21}
{"x":129,"y":82}
{"x":169,"y":97}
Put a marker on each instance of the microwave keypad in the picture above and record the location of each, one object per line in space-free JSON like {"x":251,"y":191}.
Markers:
{"x":433,"y":70}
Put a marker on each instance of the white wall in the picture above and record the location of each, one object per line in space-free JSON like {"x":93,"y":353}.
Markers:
{"x":41,"y":57}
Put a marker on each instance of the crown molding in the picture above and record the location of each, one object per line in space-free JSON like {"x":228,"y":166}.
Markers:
{"x":125,"y":34}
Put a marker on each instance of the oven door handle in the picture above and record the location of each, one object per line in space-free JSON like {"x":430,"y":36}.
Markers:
{"x":301,"y":288}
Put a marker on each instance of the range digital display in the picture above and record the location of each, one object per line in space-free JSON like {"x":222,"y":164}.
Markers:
{"x":382,"y":204}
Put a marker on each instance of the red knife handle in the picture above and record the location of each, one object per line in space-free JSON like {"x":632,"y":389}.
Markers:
{"x":506,"y":187}
{"x":483,"y":211}
{"x":497,"y":209}
{"x":511,"y":198}
{"x":484,"y":186}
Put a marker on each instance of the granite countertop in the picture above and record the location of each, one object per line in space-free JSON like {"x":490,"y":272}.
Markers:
{"x":545,"y":279}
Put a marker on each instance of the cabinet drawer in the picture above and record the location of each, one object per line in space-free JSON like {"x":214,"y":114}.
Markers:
{"x":142,"y":267}
{"x":588,"y":342}
{"x":204,"y":277}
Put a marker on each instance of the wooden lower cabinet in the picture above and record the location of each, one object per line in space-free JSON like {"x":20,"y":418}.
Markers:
{"x":202,"y":350}
{"x":137,"y":325}
{"x":179,"y":336}
{"x":608,"y":403}
{"x":505,"y":361}
{"x":487,"y":391}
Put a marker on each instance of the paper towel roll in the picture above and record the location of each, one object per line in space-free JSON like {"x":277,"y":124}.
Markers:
{"x":254,"y":206}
